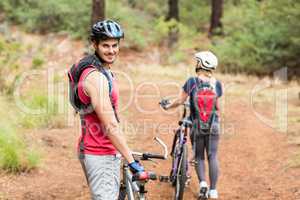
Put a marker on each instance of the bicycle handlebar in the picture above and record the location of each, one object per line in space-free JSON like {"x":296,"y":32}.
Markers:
{"x":185,"y":122}
{"x":144,"y":176}
{"x":146,"y":156}
{"x":164,"y":147}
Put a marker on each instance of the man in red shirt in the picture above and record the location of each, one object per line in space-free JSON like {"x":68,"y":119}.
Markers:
{"x":96,"y":98}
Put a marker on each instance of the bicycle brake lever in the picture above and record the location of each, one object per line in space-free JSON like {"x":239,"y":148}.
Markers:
{"x":163,"y":145}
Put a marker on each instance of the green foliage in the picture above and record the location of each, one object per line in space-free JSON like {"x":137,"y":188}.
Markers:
{"x":260,"y":36}
{"x":155,"y":8}
{"x":162,"y":27}
{"x":9,"y":149}
{"x":263,"y":39}
{"x":34,"y":99}
{"x":33,"y":159}
{"x":37,"y":62}
{"x":176,"y":57}
{"x":134,"y":22}
{"x":42,"y":111}
{"x":195,"y":14}
{"x":9,"y":60}
{"x":49,"y":15}
{"x":14,"y":154}
{"x":186,"y":38}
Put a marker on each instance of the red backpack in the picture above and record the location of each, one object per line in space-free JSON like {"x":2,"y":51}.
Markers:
{"x":205,"y":104}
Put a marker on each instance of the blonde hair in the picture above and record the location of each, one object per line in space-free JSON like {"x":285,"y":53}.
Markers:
{"x":207,"y":73}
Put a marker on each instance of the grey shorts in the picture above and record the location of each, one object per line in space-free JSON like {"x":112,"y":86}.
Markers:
{"x":103,"y":175}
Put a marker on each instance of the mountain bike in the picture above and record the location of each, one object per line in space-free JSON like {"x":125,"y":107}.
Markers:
{"x":178,"y":175}
{"x":133,"y":185}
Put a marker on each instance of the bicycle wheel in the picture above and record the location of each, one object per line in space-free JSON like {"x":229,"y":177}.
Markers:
{"x":181,"y":175}
{"x":175,"y":162}
{"x":122,"y":193}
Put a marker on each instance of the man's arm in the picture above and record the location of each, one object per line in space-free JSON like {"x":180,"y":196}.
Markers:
{"x":96,"y":87}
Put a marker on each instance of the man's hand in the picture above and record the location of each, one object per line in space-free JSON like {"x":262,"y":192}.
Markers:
{"x":136,"y":167}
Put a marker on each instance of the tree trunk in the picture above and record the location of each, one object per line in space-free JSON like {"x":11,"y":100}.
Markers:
{"x":216,"y":26}
{"x":98,"y":11}
{"x":173,"y":14}
{"x":173,"y":10}
{"x":132,"y":3}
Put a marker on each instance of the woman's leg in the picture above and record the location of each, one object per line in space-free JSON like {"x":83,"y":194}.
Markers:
{"x":213,"y":161}
{"x":199,"y":146}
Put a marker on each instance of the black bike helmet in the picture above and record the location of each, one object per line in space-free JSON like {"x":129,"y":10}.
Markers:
{"x":106,"y":29}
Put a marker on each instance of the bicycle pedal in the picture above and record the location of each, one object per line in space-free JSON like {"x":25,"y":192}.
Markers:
{"x":203,"y":198}
{"x":188,"y":181}
{"x":203,"y":194}
{"x":193,"y":163}
{"x":164,"y":179}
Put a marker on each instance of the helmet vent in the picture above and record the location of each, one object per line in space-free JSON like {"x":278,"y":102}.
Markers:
{"x":118,"y":28}
{"x":109,"y":27}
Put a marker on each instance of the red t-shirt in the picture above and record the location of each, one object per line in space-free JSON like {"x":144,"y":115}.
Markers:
{"x":95,"y":141}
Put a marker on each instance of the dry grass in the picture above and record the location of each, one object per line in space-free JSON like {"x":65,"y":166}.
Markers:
{"x":295,"y":161}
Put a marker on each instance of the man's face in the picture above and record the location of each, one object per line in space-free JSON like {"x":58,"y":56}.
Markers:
{"x":108,"y":50}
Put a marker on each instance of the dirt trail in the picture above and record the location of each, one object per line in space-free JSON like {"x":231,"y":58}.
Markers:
{"x":253,"y":162}
{"x":253,"y":158}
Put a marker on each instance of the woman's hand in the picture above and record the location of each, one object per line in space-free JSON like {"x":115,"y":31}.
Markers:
{"x":164,"y":103}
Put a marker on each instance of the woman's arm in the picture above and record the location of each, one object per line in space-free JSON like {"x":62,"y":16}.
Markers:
{"x":178,"y":101}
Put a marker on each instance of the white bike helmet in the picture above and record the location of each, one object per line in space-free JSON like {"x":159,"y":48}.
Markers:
{"x":207,"y":60}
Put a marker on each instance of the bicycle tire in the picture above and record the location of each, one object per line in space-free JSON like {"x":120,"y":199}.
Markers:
{"x":174,"y":155}
{"x":172,"y":177}
{"x":122,"y":193}
{"x":181,"y":176}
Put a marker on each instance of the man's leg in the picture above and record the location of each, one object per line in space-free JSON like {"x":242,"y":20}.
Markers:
{"x":103,"y":175}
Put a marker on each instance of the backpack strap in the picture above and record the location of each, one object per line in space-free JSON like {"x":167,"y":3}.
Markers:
{"x":198,"y":82}
{"x":194,"y":85}
{"x":81,"y":143}
{"x":110,"y":85}
{"x":212,"y":82}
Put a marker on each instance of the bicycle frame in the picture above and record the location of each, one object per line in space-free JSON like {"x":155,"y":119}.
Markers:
{"x":181,"y":136}
{"x":135,"y":190}
{"x":180,"y":155}
{"x":132,"y":187}
{"x":177,"y":148}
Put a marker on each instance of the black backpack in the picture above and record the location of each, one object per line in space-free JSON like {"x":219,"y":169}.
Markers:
{"x":90,"y":61}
